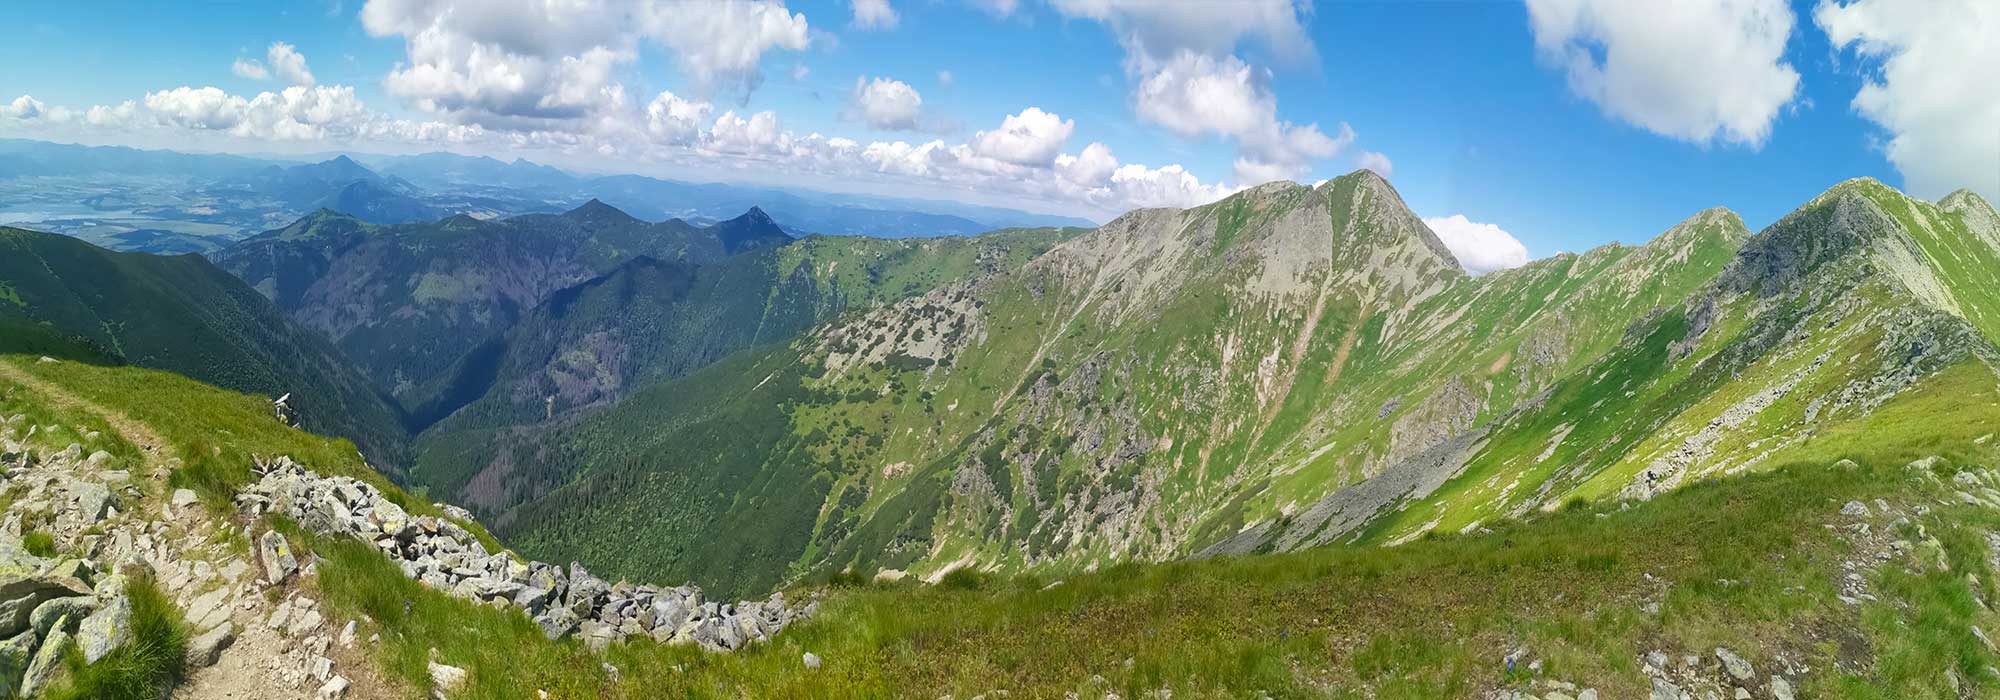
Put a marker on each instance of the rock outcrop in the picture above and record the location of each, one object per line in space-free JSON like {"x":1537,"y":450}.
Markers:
{"x":445,"y":556}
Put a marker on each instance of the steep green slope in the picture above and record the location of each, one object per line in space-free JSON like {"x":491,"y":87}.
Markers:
{"x":407,"y":301}
{"x":66,"y":298}
{"x":651,"y":320}
{"x":1140,"y":391}
{"x":1797,"y":351}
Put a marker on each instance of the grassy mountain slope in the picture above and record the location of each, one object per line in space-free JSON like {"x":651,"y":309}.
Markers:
{"x":66,"y":298}
{"x":406,"y":301}
{"x":1779,"y":568}
{"x":1140,"y":391}
{"x":651,"y":320}
{"x":1828,"y":318}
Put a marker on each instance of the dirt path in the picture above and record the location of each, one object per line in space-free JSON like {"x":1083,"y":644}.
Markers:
{"x":263,"y":663}
{"x":135,"y":432}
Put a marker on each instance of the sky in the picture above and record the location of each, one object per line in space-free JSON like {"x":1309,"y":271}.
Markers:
{"x":1517,"y":129}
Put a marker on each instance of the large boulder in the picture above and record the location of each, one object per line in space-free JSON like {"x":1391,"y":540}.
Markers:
{"x":106,"y":630}
{"x":20,"y":595}
{"x":14,"y":658}
{"x":47,"y":661}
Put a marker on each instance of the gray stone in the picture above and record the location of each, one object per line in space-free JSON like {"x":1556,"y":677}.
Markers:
{"x":14,"y":660}
{"x":334,"y":689}
{"x":1781,"y":689}
{"x":66,"y":611}
{"x":1854,"y":509}
{"x":47,"y":661}
{"x":20,"y":595}
{"x":184,"y":498}
{"x":210,"y":609}
{"x":279,"y":563}
{"x":446,"y":680}
{"x":105,"y":630}
{"x":203,"y":651}
{"x":1737,"y":667}
{"x":811,"y":661}
{"x":302,"y":623}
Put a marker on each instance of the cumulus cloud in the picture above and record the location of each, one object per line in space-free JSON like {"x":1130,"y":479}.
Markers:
{"x":297,"y":113}
{"x":1480,"y":248}
{"x":288,"y":64}
{"x":721,"y":43}
{"x":249,"y":69}
{"x":675,"y":120}
{"x":527,"y":65}
{"x":23,"y":108}
{"x":281,"y":60}
{"x":874,"y":14}
{"x":1189,"y":81}
{"x":1370,"y":160}
{"x":1195,"y":94}
{"x":1153,"y":32}
{"x":1088,"y":168}
{"x":1032,"y":137}
{"x":1935,"y":64}
{"x":1699,"y":71}
{"x":886,"y":104}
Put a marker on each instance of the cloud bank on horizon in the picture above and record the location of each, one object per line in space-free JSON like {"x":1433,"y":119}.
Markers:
{"x":519,"y":74}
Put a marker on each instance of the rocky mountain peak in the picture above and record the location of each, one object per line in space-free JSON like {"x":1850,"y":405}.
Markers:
{"x":1977,"y":212}
{"x":1377,"y":203}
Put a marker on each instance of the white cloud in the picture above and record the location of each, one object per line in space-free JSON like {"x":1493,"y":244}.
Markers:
{"x":528,"y":64}
{"x":1480,"y":248}
{"x":1153,"y":32}
{"x":720,"y":43}
{"x":887,"y":104}
{"x":1033,"y":137}
{"x":1191,"y":83}
{"x":674,"y":120}
{"x":249,"y":69}
{"x":1195,"y":94}
{"x":874,"y":14}
{"x":281,"y":60}
{"x":757,"y":134}
{"x":1090,"y":167}
{"x":296,"y":113}
{"x":799,"y":71}
{"x":24,"y":108}
{"x":1696,"y":70}
{"x":944,"y":78}
{"x":1370,"y":160}
{"x":1938,"y":63}
{"x":288,"y":64}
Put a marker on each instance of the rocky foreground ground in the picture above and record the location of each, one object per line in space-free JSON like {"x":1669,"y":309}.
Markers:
{"x":256,"y":627}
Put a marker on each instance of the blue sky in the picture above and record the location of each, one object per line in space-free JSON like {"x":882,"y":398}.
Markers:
{"x":1471,"y":108}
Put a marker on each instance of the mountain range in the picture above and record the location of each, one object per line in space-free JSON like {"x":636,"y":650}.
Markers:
{"x":168,"y":202}
{"x":1290,"y":410}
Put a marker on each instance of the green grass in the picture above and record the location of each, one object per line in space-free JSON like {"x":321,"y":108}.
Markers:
{"x":1745,"y":563}
{"x":215,"y":433}
{"x":39,"y":543}
{"x":146,"y":669}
